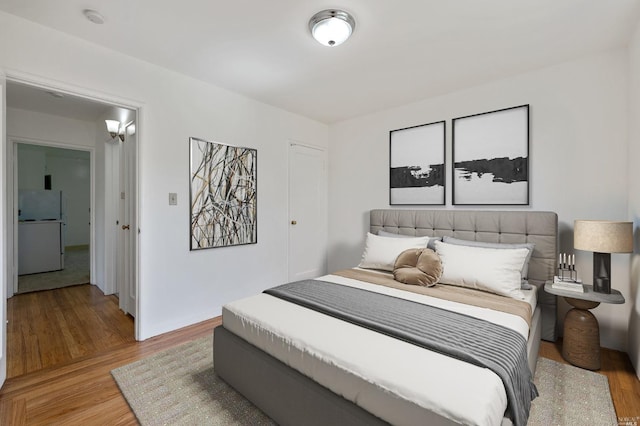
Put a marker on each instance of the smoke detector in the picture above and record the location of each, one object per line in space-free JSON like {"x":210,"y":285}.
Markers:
{"x":93,"y":16}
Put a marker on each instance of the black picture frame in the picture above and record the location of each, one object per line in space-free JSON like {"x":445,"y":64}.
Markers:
{"x":417,"y":173}
{"x":490,"y":158}
{"x":223,"y":195}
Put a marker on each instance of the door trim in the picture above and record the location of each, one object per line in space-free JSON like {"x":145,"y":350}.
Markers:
{"x":4,"y":229}
{"x":16,"y":76}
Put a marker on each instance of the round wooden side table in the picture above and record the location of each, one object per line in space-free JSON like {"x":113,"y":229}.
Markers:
{"x":581,"y":341}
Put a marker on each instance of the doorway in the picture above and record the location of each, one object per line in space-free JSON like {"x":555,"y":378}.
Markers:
{"x":40,"y":115}
{"x":54,"y":205}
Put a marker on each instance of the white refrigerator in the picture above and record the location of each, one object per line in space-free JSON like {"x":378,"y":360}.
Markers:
{"x":40,"y":231}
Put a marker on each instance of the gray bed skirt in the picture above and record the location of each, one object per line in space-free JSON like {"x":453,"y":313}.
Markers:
{"x":284,"y":394}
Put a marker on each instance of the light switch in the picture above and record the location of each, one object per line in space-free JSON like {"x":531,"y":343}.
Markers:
{"x":173,"y":199}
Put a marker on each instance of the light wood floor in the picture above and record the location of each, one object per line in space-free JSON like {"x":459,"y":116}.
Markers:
{"x":79,"y":389}
{"x":74,"y":337}
{"x":53,"y":327}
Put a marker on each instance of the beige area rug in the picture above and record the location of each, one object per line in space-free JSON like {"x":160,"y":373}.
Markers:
{"x":571,"y":396}
{"x":76,"y":271}
{"x":179,"y":387}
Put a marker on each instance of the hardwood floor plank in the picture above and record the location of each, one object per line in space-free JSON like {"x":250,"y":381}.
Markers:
{"x":18,"y":412}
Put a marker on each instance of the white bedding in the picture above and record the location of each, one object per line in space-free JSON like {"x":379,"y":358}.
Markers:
{"x":396,"y":381}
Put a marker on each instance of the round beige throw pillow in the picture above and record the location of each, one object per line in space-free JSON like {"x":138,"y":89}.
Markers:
{"x":418,"y":267}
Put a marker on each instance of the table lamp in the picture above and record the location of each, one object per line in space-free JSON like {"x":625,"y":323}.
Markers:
{"x":602,"y":237}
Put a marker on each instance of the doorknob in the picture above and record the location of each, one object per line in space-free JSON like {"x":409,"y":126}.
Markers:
{"x":125,"y":227}
{"x":294,"y":222}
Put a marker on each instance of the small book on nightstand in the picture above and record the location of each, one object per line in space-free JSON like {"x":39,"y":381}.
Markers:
{"x":567,"y":285}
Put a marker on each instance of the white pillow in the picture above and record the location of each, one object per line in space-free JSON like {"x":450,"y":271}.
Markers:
{"x":381,"y":252}
{"x":488,"y":269}
{"x":432,"y":240}
{"x":524,"y":285}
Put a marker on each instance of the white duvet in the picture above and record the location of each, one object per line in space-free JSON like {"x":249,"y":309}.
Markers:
{"x":396,"y":381}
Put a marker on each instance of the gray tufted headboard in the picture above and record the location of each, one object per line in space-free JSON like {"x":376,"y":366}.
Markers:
{"x":540,"y":228}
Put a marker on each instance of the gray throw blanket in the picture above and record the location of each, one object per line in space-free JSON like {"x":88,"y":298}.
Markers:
{"x":469,"y":339}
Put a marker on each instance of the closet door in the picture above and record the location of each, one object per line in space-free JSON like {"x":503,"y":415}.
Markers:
{"x":307,"y":212}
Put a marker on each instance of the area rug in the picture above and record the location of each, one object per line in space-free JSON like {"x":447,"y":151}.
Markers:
{"x":571,"y":396}
{"x":179,"y":387}
{"x":75,"y":272}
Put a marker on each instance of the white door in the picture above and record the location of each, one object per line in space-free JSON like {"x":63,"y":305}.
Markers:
{"x":307,"y":212}
{"x":127,"y":232}
{"x":7,"y":273}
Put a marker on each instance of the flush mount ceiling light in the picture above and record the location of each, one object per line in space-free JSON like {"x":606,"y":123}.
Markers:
{"x":332,"y":27}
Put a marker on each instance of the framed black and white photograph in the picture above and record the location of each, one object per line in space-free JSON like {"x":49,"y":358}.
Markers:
{"x":491,"y":158}
{"x":416,"y":160}
{"x":222,"y":195}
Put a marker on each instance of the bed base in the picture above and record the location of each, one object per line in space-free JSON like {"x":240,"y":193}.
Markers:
{"x":284,"y":394}
{"x":289,"y":397}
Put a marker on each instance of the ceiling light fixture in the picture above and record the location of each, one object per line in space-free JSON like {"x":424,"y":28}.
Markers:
{"x":332,"y":27}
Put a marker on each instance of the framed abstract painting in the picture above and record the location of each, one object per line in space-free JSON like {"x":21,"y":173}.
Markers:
{"x":416,"y":165}
{"x":222,"y":195}
{"x":491,"y":158}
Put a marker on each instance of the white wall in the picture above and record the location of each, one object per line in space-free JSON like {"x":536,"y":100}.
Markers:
{"x":36,"y":126}
{"x":633,"y":298}
{"x":31,"y":167}
{"x":72,"y":177}
{"x":578,"y":143}
{"x":177,"y":287}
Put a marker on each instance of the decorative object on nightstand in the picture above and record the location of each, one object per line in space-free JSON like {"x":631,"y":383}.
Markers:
{"x":567,"y":278}
{"x":581,"y":341}
{"x":603,"y":237}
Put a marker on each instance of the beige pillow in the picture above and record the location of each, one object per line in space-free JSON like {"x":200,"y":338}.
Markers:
{"x":418,"y":267}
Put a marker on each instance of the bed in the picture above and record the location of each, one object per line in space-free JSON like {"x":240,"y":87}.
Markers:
{"x":279,"y":356}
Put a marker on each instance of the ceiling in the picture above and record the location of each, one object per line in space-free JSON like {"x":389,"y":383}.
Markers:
{"x":401,"y":51}
{"x":34,"y":99}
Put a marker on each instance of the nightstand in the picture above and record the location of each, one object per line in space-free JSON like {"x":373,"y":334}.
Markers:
{"x":581,"y":341}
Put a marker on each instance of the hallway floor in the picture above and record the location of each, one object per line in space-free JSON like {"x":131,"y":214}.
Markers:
{"x":76,"y":271}
{"x":53,"y":327}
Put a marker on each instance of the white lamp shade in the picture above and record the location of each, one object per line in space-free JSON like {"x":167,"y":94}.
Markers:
{"x":331,"y":27}
{"x":113,"y":127}
{"x":603,"y":236}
